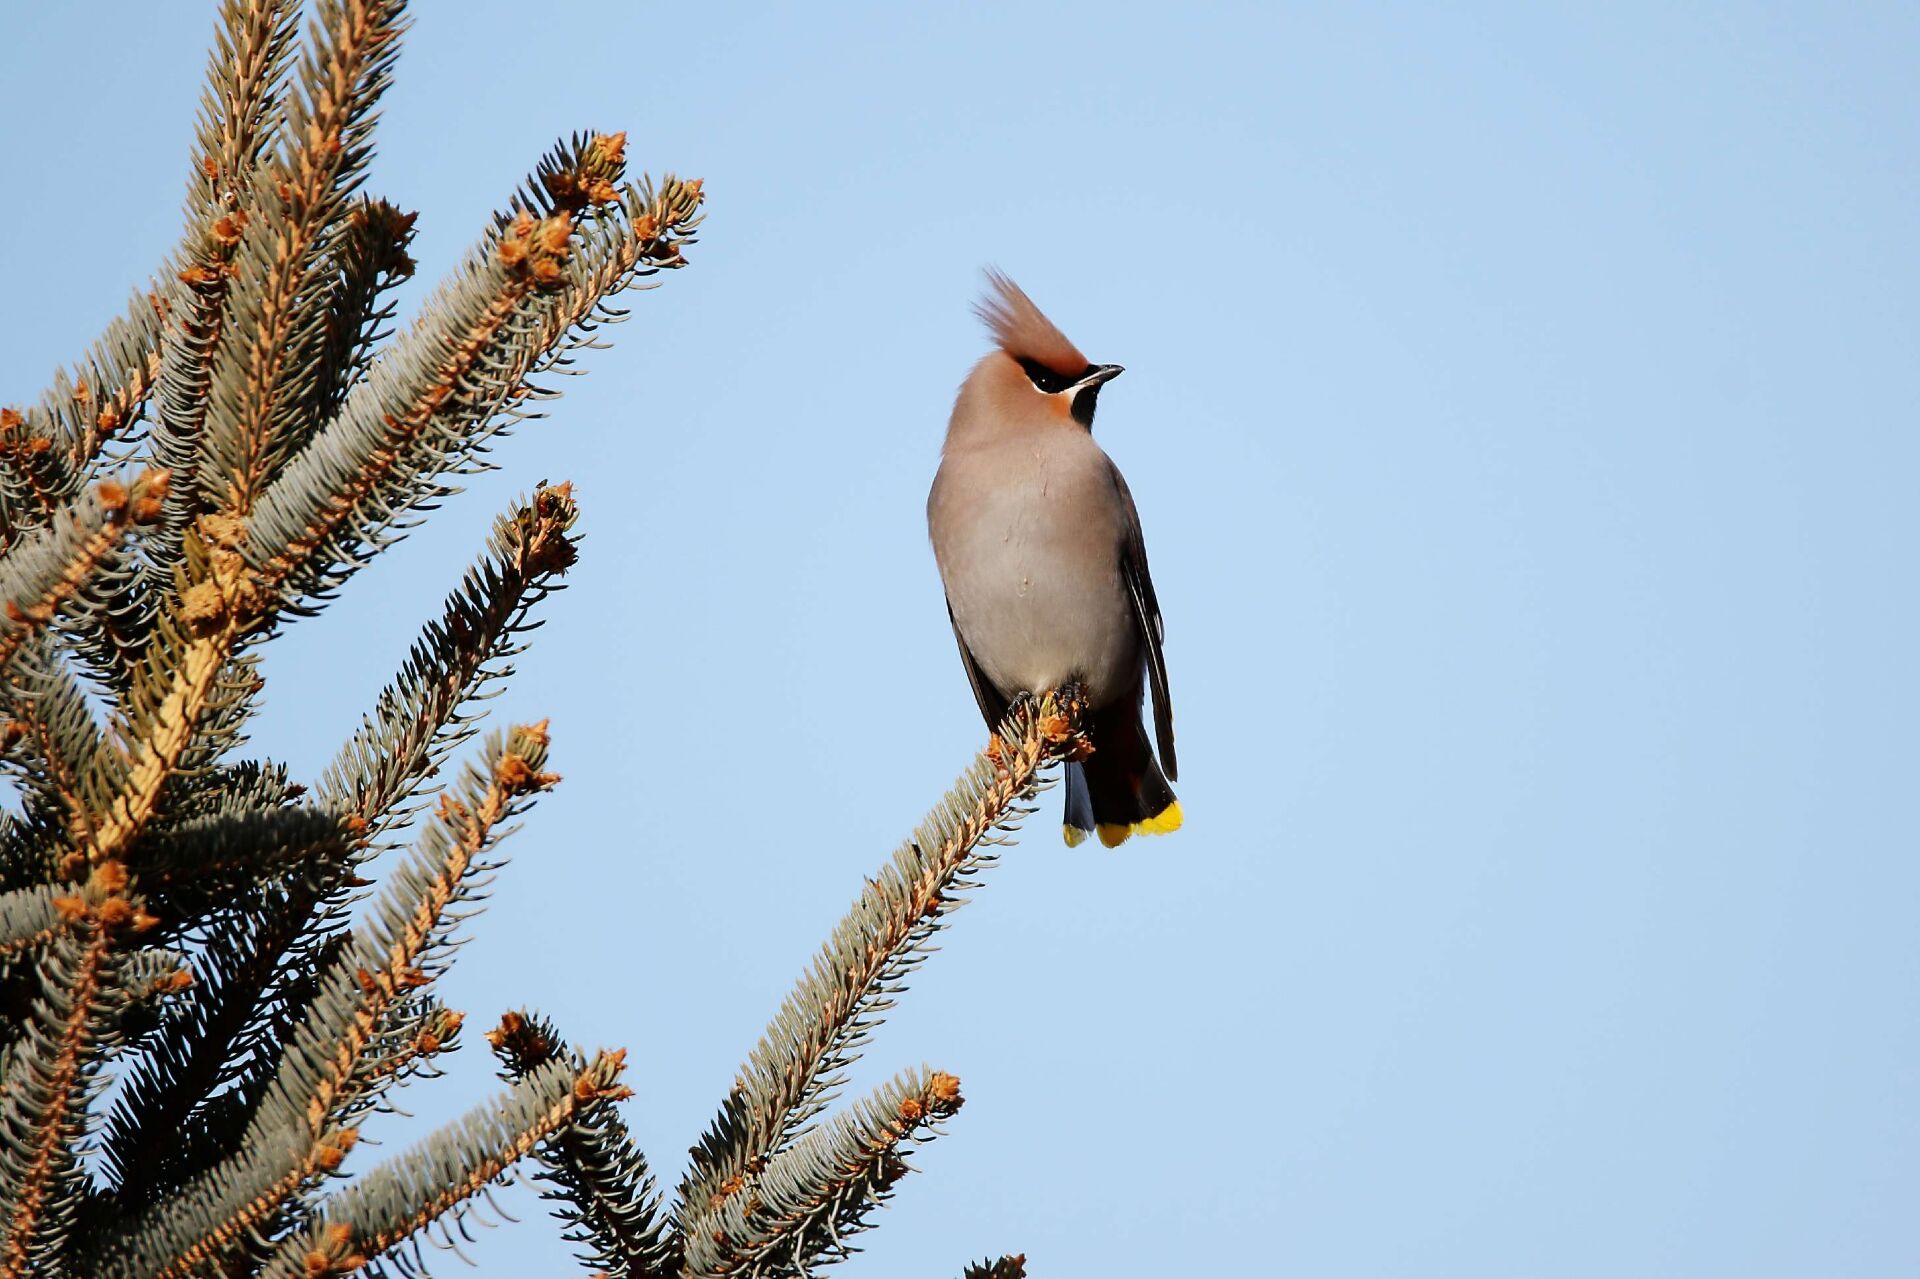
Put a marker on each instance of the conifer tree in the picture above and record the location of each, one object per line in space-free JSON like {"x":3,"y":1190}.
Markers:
{"x":202,"y":996}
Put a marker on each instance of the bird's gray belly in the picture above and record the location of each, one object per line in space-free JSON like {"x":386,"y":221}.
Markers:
{"x":1037,"y":610}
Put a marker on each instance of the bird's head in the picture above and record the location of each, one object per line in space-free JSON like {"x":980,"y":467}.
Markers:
{"x":1036,"y":366}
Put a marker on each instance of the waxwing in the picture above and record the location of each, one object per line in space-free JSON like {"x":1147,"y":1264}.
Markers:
{"x":1040,"y":549}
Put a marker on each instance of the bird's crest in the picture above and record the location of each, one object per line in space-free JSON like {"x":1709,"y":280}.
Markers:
{"x":1022,"y":331}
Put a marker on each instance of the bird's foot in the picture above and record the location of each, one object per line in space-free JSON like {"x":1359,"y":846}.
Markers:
{"x":1062,"y":716}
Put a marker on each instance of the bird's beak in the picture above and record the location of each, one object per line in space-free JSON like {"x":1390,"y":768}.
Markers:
{"x":1102,"y":374}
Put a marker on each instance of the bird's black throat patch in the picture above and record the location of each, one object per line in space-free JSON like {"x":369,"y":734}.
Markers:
{"x":1083,"y":404}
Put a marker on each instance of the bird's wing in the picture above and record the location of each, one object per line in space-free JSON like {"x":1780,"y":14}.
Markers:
{"x":1146,"y":609}
{"x":993,"y":707}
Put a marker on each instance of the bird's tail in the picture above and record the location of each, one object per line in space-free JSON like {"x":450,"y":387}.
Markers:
{"x":1119,"y":790}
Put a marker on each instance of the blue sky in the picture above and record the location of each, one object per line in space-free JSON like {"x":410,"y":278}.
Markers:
{"x":1521,"y":406}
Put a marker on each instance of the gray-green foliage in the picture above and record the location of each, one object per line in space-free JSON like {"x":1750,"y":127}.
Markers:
{"x":198,"y":1010}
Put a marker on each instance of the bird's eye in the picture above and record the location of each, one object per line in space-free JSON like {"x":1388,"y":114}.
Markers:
{"x":1044,"y":379}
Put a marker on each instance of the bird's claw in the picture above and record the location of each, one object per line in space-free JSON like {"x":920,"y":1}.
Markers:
{"x":1062,"y":715}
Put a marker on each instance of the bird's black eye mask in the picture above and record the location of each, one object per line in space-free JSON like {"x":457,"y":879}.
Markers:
{"x":1049,"y":382}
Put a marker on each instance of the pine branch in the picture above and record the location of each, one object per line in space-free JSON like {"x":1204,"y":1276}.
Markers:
{"x":619,"y":252}
{"x":426,"y":408}
{"x":252,"y":1034}
{"x":107,"y":638}
{"x":162,"y":1129}
{"x":419,"y":719}
{"x":188,"y":681}
{"x":246,"y":81}
{"x":74,"y":576}
{"x":1013,"y":1267}
{"x":357,"y":477}
{"x":246,"y":75}
{"x":102,"y":613}
{"x":365,"y":262}
{"x":198,"y":1236}
{"x":194,"y":864}
{"x":127,"y":362}
{"x":599,"y":1179}
{"x":815,"y":1193}
{"x":261,"y":372}
{"x":246,"y":78}
{"x":43,"y":1111}
{"x":196,"y":312}
{"x":29,"y":919}
{"x":193,"y":687}
{"x":801,"y":1061}
{"x":186,"y":1107}
{"x":56,"y":747}
{"x":32,"y":477}
{"x":43,"y":1102}
{"x":362,"y":1025}
{"x":395,"y":1203}
{"x":148,"y":974}
{"x":166,"y":344}
{"x":262,"y":956}
{"x":49,"y":569}
{"x":410,"y":925}
{"x":103,"y":398}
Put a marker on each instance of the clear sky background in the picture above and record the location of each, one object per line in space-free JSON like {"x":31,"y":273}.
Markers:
{"x":1521,"y":405}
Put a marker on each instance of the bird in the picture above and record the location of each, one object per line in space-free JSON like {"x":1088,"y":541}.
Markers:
{"x":1045,"y":567}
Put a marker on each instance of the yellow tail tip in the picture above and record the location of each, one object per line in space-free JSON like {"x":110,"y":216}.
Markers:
{"x":1114,"y":834}
{"x":1164,"y":822}
{"x":1074,"y":835}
